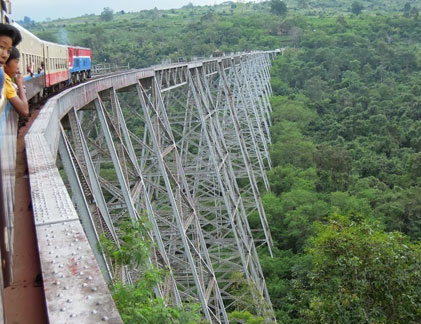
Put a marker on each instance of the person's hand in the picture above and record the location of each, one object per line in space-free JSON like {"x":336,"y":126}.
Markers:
{"x":19,"y":80}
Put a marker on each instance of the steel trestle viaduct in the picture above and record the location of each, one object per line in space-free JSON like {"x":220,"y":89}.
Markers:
{"x":184,"y":145}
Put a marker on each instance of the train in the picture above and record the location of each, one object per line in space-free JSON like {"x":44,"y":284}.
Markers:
{"x":47,"y":67}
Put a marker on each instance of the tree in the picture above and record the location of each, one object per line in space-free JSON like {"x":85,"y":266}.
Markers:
{"x":188,"y":6}
{"x":245,"y":317}
{"x":49,"y":36}
{"x":414,"y":13}
{"x":356,"y":8}
{"x":334,"y":166}
{"x":293,"y":148}
{"x":107,"y":14}
{"x":363,"y":275}
{"x":406,"y":9}
{"x":250,"y":298}
{"x":303,"y":4}
{"x":137,"y":302}
{"x":278,"y":7}
{"x":27,"y":20}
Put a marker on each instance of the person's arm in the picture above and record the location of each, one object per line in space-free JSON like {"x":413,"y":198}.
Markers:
{"x":20,"y":102}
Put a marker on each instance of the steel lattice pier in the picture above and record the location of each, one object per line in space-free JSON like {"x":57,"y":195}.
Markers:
{"x":186,"y":145}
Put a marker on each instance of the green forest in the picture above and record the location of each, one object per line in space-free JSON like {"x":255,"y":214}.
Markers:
{"x":345,"y":210}
{"x":345,"y":202}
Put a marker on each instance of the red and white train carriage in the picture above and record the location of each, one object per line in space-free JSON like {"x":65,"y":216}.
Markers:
{"x":49,"y":66}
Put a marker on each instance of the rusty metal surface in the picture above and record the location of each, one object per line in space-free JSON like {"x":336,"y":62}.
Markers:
{"x":74,"y":289}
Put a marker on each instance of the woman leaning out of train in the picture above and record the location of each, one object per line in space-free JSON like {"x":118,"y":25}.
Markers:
{"x":15,"y":91}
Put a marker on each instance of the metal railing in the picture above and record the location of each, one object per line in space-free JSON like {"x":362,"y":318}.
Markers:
{"x":103,"y":68}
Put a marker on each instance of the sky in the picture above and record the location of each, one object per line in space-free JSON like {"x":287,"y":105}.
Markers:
{"x":41,"y":9}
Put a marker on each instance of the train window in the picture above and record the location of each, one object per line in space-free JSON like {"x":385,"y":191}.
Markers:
{"x":23,"y":59}
{"x":29,"y":65}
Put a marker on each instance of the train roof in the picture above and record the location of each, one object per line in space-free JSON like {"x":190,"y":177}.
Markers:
{"x":79,"y":47}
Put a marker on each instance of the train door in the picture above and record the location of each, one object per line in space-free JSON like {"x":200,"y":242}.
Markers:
{"x":47,"y":65}
{"x":44,"y":64}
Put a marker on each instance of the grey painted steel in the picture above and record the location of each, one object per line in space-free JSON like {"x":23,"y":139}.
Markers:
{"x":126,"y":165}
{"x":253,"y":122}
{"x":91,"y":172}
{"x":157,"y":172}
{"x":117,"y":166}
{"x":220,"y":157}
{"x":245,"y":154}
{"x":82,"y":205}
{"x":170,"y":289}
{"x":251,"y":90}
{"x":185,"y":214}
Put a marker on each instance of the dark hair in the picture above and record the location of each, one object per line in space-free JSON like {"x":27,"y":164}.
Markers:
{"x":12,"y":32}
{"x":14,"y":54}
